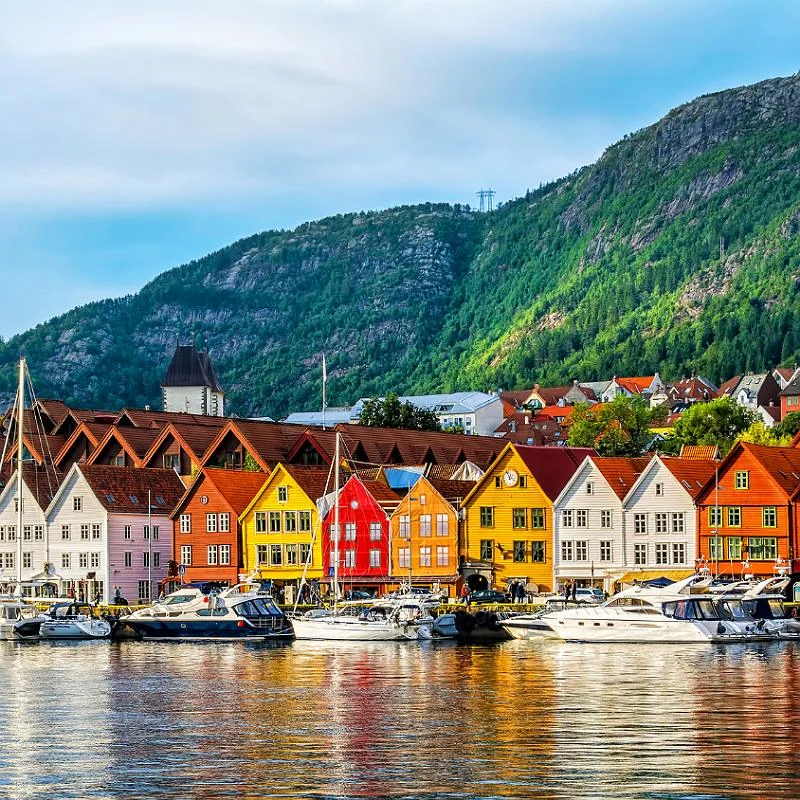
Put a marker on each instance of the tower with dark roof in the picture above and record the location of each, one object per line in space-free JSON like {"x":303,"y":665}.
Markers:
{"x":191,"y":384}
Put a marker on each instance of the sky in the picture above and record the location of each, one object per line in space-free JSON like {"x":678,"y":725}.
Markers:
{"x":135,"y":137}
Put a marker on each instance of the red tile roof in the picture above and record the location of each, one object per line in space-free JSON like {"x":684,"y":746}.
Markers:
{"x":691,"y":473}
{"x":552,"y":467}
{"x":123,"y":490}
{"x":453,"y":490}
{"x":703,"y":452}
{"x":636,"y":385}
{"x":238,"y":487}
{"x":312,"y":480}
{"x":621,"y":473}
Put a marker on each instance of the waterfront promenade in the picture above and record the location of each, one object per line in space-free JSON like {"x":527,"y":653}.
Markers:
{"x":327,"y":720}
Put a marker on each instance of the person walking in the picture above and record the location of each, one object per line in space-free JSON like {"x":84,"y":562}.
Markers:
{"x":465,"y":593}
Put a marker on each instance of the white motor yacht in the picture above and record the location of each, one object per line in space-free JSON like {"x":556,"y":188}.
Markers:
{"x":13,"y":611}
{"x":73,"y":621}
{"x":533,"y":626}
{"x":665,"y":615}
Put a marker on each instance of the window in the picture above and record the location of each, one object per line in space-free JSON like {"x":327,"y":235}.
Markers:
{"x":83,"y":560}
{"x":487,"y":516}
{"x":334,"y":531}
{"x":65,"y":561}
{"x":374,"y":558}
{"x":405,"y":527}
{"x":146,"y":558}
{"x":186,"y":555}
{"x":290,"y":551}
{"x":275,"y":555}
{"x":127,"y":532}
{"x":186,"y":523}
{"x":211,"y":522}
{"x":274,"y":521}
{"x":26,"y":560}
{"x":262,"y":553}
{"x":640,"y":523}
{"x":85,"y":533}
{"x":404,"y":557}
{"x":581,"y":518}
{"x":38,"y":533}
{"x":12,"y":533}
{"x":305,"y":553}
{"x":662,"y":553}
{"x":261,"y":521}
{"x":661,"y":522}
{"x":537,"y":518}
{"x":735,"y":516}
{"x":519,"y":551}
{"x":146,"y":532}
{"x":155,"y":531}
{"x":423,"y":500}
{"x":290,"y":521}
{"x":213,"y":555}
{"x":27,"y":533}
{"x":3,"y":532}
{"x":16,"y":504}
{"x":77,"y":504}
{"x":606,"y":550}
{"x":350,"y":531}
{"x":741,"y":479}
{"x":522,"y":482}
{"x":762,"y":548}
{"x":678,"y":522}
{"x":606,"y":520}
{"x":442,"y":525}
{"x":567,"y":518}
{"x":442,"y":556}
{"x":715,"y":517}
{"x":497,"y":482}
{"x":144,"y":591}
{"x":589,"y":487}
{"x":715,"y":547}
{"x":487,"y":549}
{"x":375,"y":532}
{"x":769,"y":517}
{"x":424,"y":556}
{"x":224,"y":554}
{"x":127,"y":559}
{"x":567,"y":550}
{"x":96,"y":531}
{"x":519,"y":518}
{"x":582,"y":550}
{"x":640,"y":554}
{"x":734,"y":544}
{"x":304,"y":521}
{"x":659,"y":489}
{"x":537,"y":552}
{"x":424,"y":524}
{"x":283,"y":494}
{"x":171,"y":461}
{"x":9,"y":561}
{"x":94,"y":560}
{"x":678,"y":553}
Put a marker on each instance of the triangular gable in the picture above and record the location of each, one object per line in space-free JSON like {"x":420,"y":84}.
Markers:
{"x":277,"y":474}
{"x":306,"y":444}
{"x":83,"y":431}
{"x":232,"y":430}
{"x":103,"y":446}
{"x":486,"y":475}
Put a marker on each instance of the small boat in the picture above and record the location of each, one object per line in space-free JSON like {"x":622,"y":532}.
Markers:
{"x":387,"y":620}
{"x":244,"y":611}
{"x":482,"y":626}
{"x":13,"y":612}
{"x":67,"y":621}
{"x":532,"y":626}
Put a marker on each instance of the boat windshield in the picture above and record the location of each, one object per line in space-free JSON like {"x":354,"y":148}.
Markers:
{"x":257,"y":607}
{"x":765,"y":608}
{"x":691,"y":609}
{"x":176,"y":599}
{"x":733,"y":610}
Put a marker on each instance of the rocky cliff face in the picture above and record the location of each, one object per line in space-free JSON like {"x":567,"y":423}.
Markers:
{"x":678,"y":251}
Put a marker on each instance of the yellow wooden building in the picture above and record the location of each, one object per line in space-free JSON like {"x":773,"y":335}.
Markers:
{"x":278,"y":527}
{"x":424,"y":534}
{"x":508,"y":517}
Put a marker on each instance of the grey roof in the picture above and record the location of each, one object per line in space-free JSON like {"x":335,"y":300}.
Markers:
{"x":190,"y":367}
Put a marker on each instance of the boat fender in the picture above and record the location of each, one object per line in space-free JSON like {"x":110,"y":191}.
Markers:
{"x":494,"y":622}
{"x":721,"y":629}
{"x":481,"y":618}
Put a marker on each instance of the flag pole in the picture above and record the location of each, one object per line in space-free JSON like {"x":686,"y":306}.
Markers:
{"x":324,"y":381}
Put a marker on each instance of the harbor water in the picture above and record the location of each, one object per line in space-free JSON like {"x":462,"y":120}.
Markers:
{"x":398,"y":720}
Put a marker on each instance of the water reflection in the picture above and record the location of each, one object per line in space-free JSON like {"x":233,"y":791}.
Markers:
{"x":316,"y":719}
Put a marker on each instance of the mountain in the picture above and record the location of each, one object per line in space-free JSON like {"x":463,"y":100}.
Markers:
{"x":678,"y":250}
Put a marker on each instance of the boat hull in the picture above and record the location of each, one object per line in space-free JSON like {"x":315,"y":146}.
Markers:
{"x":69,"y":629}
{"x":352,"y":630}
{"x":204,"y":630}
{"x":528,"y":627}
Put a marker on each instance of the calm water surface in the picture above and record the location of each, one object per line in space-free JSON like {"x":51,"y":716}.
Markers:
{"x":330,"y":720}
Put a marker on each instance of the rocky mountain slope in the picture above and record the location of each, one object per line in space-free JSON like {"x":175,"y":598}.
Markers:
{"x":678,"y":250}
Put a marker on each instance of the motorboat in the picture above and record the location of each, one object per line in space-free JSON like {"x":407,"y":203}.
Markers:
{"x":243,"y":611}
{"x":671,"y":614}
{"x":67,"y":621}
{"x":532,"y":626}
{"x":14,"y":611}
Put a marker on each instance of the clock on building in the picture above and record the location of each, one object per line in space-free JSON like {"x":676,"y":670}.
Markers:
{"x":510,"y":477}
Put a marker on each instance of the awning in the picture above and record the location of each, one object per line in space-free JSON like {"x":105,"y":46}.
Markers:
{"x":650,"y":575}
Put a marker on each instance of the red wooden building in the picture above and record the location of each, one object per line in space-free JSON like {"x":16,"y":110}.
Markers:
{"x":363,"y":534}
{"x":747,"y":512}
{"x":205,"y":523}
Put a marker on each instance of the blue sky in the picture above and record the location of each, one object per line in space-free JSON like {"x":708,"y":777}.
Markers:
{"x":137,"y":136}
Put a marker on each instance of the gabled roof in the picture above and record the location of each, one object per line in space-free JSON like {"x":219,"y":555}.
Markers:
{"x":452,"y":490}
{"x":134,"y":441}
{"x":194,"y":439}
{"x":147,"y":418}
{"x":637,"y":385}
{"x":190,"y":367}
{"x":620,"y":473}
{"x":312,"y":480}
{"x":694,"y":388}
{"x":42,"y":481}
{"x":702,"y":452}
{"x":123,"y":490}
{"x":79,"y":415}
{"x":93,"y":432}
{"x":55,"y":409}
{"x":517,"y":398}
{"x":552,"y":467}
{"x":238,"y":487}
{"x":692,"y":474}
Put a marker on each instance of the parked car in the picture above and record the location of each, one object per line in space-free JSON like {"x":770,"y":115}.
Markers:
{"x":488,"y":596}
{"x":588,"y":594}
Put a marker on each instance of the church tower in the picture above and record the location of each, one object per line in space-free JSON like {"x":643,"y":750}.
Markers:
{"x":190,"y":385}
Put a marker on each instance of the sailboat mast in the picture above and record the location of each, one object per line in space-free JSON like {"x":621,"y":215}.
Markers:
{"x":336,"y":519}
{"x":20,"y":417}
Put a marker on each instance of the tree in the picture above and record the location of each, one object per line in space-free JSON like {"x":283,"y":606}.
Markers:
{"x":391,"y":413}
{"x":759,"y":433}
{"x":789,"y":425}
{"x":618,"y":428}
{"x":719,"y":422}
